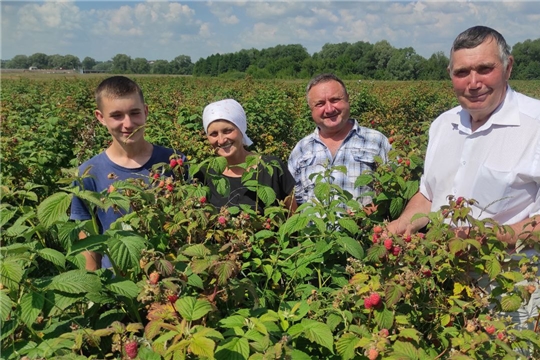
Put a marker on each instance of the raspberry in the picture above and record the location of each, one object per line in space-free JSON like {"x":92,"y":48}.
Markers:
{"x":222,"y":220}
{"x":373,"y":354}
{"x":368,"y":303}
{"x":500,"y":336}
{"x":408,"y":162}
{"x":375,"y":238}
{"x":384,"y":333}
{"x":375,"y":299}
{"x":426,"y":272}
{"x":131,"y":349}
{"x":459,"y":200}
{"x":202,"y":200}
{"x":172,"y":298}
{"x":388,"y":244}
{"x":396,"y":250}
{"x":490,"y":329}
{"x":180,"y":162}
{"x":111,"y":189}
{"x":156,"y":176}
{"x":173,"y":163}
{"x":407,"y":238}
{"x":377,"y":229}
{"x":170,"y":187}
{"x":153,"y":278}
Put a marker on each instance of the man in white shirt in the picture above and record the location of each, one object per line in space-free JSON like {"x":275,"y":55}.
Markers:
{"x":486,"y":149}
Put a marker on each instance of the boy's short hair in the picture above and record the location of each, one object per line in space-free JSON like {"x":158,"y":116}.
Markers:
{"x":116,"y":87}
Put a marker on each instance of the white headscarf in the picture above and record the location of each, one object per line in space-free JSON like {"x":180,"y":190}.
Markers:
{"x":229,"y":110}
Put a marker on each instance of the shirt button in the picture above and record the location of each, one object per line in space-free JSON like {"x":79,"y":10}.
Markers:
{"x":463,"y":162}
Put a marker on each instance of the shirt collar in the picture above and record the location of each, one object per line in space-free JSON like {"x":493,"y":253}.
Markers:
{"x":506,"y":114}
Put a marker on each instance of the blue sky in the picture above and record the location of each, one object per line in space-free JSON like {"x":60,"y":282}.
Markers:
{"x":159,"y":29}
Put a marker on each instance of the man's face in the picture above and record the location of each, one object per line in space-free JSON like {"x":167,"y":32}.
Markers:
{"x":124,"y":118}
{"x":480,"y":79}
{"x":329,"y":106}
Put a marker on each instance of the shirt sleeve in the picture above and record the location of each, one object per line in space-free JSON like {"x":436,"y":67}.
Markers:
{"x":79,"y":210}
{"x":292,"y":165}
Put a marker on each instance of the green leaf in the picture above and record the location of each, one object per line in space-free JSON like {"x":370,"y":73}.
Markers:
{"x":375,"y":253}
{"x":233,"y":349}
{"x":396,"y":207}
{"x":319,"y":333}
{"x":409,"y":334}
{"x":393,"y":293}
{"x":411,"y":189}
{"x":224,"y":271}
{"x":295,"y":223}
{"x":54,"y":208}
{"x":233,"y":321}
{"x":511,"y":303}
{"x":349,"y":225}
{"x":322,"y":190}
{"x":300,"y":355}
{"x":11,"y":273}
{"x":351,"y":246}
{"x":363,"y":180}
{"x":191,"y":308}
{"x":266,"y":194}
{"x":202,"y":347}
{"x":384,"y":318}
{"x":31,"y":305}
{"x":405,"y":350}
{"x":6,"y":214}
{"x":5,"y":306}
{"x":346,"y":346}
{"x":195,"y":280}
{"x":493,"y":268}
{"x":54,"y":256}
{"x":125,"y":249}
{"x":198,"y":250}
{"x":75,"y":282}
{"x":123,"y":287}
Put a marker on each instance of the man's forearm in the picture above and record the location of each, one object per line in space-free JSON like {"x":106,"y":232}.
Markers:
{"x":417,"y":205}
{"x":93,"y":259}
{"x":522,"y":231}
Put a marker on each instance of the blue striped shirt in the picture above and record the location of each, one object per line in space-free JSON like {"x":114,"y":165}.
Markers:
{"x":357,"y":153}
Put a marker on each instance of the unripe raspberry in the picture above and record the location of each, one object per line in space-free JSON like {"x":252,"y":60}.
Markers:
{"x":372,"y":354}
{"x":490,"y":329}
{"x":111,"y":189}
{"x":153,"y":278}
{"x":131,"y":349}
{"x":384,"y":333}
{"x":388,"y":244}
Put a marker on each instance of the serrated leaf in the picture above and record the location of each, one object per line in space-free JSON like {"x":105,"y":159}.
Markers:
{"x":200,"y":265}
{"x":409,"y":334}
{"x":202,"y":346}
{"x":375,"y":253}
{"x":393,"y":293}
{"x":198,"y":250}
{"x":396,"y":207}
{"x":233,"y":321}
{"x":321,"y":191}
{"x":233,"y":349}
{"x":493,"y":268}
{"x":11,"y":273}
{"x":75,"y":282}
{"x":266,"y":194}
{"x":455,"y":245}
{"x":405,"y":350}
{"x":5,"y":306}
{"x":54,"y":208}
{"x":363,"y":180}
{"x":224,"y":271}
{"x":152,"y":329}
{"x":122,"y":287}
{"x":351,"y":246}
{"x":54,"y":256}
{"x":384,"y":318}
{"x":411,"y":189}
{"x":349,"y":225}
{"x":346,"y":346}
{"x":299,"y":355}
{"x":6,"y":215}
{"x":511,"y":303}
{"x":191,"y":308}
{"x":295,"y":223}
{"x":195,"y":280}
{"x":319,"y":333}
{"x":125,"y":249}
{"x":31,"y":305}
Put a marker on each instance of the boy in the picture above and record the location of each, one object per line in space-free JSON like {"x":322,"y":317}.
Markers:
{"x":122,"y":110}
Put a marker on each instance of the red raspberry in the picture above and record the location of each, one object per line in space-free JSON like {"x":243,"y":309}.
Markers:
{"x":170,"y":187}
{"x":490,"y":329}
{"x":156,"y":176}
{"x":377,"y":229}
{"x":172,"y":298}
{"x":384,"y":333}
{"x":459,"y":200}
{"x":153,"y":278}
{"x":407,"y":238}
{"x":408,"y":162}
{"x":368,"y":303}
{"x":180,"y":162}
{"x":131,"y":349}
{"x":373,"y":354}
{"x":388,"y":244}
{"x":396,"y":250}
{"x":202,"y":200}
{"x":222,"y":220}
{"x":173,"y":163}
{"x":375,"y":299}
{"x":500,"y":335}
{"x":375,"y":238}
{"x":426,"y":272}
{"x":399,"y":161}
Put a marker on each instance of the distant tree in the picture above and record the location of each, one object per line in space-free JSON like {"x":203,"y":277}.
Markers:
{"x":404,"y":64}
{"x":55,"y":61}
{"x":39,"y":60}
{"x":526,"y":56}
{"x":160,"y":67}
{"x":18,"y":62}
{"x":103,"y":66}
{"x":139,"y":66}
{"x":88,"y":63}
{"x":434,"y":68}
{"x":121,"y":64}
{"x":181,"y":65}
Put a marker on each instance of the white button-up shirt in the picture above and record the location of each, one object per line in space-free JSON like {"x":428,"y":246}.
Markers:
{"x":498,"y":165}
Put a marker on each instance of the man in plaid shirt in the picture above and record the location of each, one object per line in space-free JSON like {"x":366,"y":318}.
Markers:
{"x":337,"y":140}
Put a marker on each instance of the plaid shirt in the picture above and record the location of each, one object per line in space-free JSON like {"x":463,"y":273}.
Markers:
{"x":357,"y":153}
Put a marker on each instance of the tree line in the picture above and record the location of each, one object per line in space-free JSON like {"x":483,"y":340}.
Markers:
{"x":359,"y":60}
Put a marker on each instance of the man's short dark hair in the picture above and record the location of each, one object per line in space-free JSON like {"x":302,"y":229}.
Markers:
{"x":477,"y":35}
{"x":116,"y":87}
{"x":322,"y":78}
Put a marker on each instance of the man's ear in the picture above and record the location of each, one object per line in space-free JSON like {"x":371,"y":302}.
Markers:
{"x":509,"y":67}
{"x":145,"y":110}
{"x":99,"y":116}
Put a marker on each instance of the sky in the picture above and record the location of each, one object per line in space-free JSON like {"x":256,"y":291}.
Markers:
{"x":159,"y":29}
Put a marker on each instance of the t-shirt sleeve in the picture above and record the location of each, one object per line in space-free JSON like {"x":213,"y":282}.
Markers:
{"x":79,"y":210}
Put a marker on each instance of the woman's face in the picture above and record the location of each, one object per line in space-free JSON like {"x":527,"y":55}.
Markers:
{"x":225,"y":138}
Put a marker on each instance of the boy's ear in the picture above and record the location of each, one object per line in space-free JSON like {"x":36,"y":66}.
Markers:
{"x":99,"y":116}
{"x":146,"y":110}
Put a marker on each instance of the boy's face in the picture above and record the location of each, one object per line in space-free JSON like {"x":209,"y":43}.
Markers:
{"x":124,"y":117}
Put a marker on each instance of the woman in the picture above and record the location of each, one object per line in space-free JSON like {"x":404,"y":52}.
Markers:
{"x":225,"y":126}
